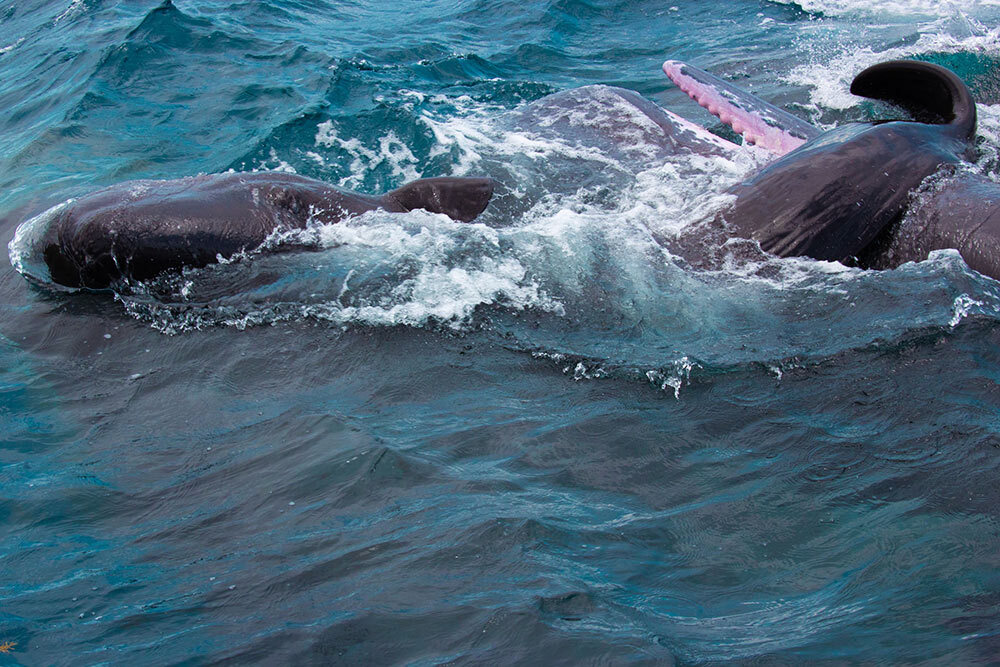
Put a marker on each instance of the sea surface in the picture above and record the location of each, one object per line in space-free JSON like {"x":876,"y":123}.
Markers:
{"x":538,"y":438}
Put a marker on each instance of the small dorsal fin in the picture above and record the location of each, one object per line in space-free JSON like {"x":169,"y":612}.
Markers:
{"x":461,"y":199}
{"x":933,"y":94}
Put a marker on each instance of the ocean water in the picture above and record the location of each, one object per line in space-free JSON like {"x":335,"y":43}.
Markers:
{"x":538,"y":438}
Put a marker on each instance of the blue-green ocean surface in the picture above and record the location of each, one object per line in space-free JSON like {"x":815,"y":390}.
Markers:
{"x":537,"y":438}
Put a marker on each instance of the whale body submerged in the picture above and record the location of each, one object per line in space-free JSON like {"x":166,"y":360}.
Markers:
{"x":838,"y":195}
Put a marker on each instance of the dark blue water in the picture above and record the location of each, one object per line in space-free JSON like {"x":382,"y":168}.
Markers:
{"x":540,"y":438}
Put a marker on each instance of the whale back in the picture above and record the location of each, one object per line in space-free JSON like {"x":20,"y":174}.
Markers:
{"x":963,"y":213}
{"x":833,"y":197}
{"x":140,"y":229}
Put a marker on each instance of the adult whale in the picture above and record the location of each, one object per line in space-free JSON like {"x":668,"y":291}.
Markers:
{"x":140,"y":229}
{"x":842,"y":195}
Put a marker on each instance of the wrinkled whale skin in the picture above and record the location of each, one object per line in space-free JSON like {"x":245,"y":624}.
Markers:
{"x":962,"y":212}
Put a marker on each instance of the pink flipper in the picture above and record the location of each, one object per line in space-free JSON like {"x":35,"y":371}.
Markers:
{"x":759,"y":123}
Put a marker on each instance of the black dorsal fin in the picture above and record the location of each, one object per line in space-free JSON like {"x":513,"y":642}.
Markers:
{"x":933,"y":94}
{"x":461,"y":199}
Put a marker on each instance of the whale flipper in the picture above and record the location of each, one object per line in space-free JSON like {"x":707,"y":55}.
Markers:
{"x":461,"y":199}
{"x":931,"y":93}
{"x":759,"y":122}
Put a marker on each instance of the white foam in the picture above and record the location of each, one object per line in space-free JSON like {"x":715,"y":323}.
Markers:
{"x":988,"y":163}
{"x":24,"y":249}
{"x":456,"y":269}
{"x":413,"y":269}
{"x":275,"y":163}
{"x":447,"y":295}
{"x":675,"y":377}
{"x":919,"y":8}
{"x":75,"y":7}
{"x":390,"y":151}
{"x":830,"y":74}
{"x":11,"y":47}
{"x":963,"y":306}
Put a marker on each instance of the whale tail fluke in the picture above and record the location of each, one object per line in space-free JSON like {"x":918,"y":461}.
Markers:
{"x":461,"y":199}
{"x":930,"y":92}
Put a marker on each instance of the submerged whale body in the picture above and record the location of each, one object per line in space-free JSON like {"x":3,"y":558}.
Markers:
{"x":842,"y":195}
{"x":140,"y":229}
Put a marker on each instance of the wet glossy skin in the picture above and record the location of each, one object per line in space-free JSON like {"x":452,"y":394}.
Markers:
{"x":832,"y":198}
{"x":140,"y":229}
{"x":961,"y":213}
{"x":843,"y":195}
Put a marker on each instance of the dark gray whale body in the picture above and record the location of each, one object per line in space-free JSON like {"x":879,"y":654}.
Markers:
{"x":139,"y":229}
{"x":962,"y":213}
{"x":833,"y":197}
{"x":848,"y":194}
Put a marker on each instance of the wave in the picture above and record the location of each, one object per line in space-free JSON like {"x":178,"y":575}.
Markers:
{"x":904,"y":8}
{"x":828,"y":73}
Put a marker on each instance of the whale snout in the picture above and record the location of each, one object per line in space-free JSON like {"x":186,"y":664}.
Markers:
{"x":36,"y":244}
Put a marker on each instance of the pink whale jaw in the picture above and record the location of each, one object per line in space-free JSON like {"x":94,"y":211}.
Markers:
{"x":751,"y":126}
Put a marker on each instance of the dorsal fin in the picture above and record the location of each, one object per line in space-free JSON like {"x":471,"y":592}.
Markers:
{"x":461,"y":199}
{"x":933,"y":94}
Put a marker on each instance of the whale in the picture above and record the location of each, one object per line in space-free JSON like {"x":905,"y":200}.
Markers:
{"x":962,"y":212}
{"x":137,"y":230}
{"x":854,"y":194}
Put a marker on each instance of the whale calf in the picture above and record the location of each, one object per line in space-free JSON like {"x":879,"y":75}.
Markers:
{"x":140,"y":229}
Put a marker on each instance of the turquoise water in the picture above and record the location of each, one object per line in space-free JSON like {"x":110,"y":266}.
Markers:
{"x":538,"y":438}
